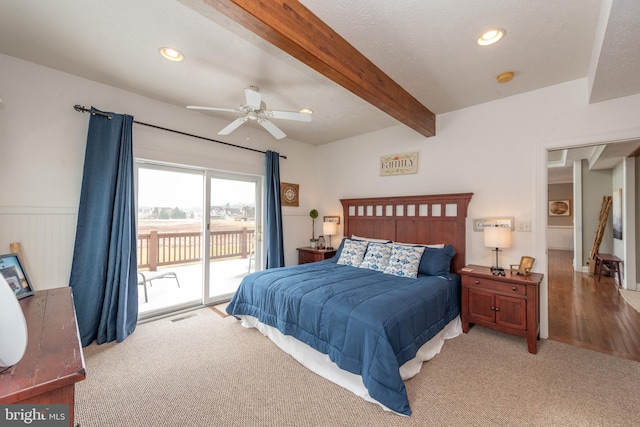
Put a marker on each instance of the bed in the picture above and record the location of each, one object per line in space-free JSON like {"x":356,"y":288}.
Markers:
{"x":357,"y":321}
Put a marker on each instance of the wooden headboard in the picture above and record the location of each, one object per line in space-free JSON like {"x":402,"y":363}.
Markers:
{"x":429,"y":219}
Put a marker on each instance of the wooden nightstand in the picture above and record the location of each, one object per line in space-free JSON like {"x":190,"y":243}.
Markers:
{"x":308,"y":254}
{"x":509,"y":304}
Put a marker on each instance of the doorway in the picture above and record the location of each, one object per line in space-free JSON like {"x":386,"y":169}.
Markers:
{"x":583,"y":310}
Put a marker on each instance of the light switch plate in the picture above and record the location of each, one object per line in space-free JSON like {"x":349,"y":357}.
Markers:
{"x":524,"y":226}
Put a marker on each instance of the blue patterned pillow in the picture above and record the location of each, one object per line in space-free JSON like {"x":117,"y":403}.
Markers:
{"x":377,"y":256}
{"x":404,"y":261}
{"x":352,"y":252}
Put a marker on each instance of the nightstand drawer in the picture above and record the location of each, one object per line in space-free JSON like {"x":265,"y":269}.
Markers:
{"x":494,"y":285}
{"x":307,"y":257}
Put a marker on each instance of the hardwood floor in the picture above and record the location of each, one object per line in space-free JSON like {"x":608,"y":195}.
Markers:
{"x":588,"y":313}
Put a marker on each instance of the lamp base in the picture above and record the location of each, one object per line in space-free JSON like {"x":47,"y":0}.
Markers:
{"x":496,"y":270}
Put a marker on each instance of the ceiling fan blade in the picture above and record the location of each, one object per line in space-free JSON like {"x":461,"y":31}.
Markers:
{"x":254,"y":98}
{"x":271,"y":128}
{"x":198,"y":107}
{"x":232,"y":126}
{"x":289,"y":115}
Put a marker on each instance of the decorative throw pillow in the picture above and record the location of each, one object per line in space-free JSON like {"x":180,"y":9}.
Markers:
{"x":377,"y":256}
{"x":352,"y":252}
{"x":404,"y":261}
{"x":436,"y":262}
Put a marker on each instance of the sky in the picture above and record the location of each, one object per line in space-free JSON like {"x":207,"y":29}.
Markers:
{"x":176,"y":189}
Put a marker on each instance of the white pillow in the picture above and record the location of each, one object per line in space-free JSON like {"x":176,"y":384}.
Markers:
{"x":404,"y":261}
{"x":352,"y":252}
{"x":369,"y":239}
{"x":438,"y":246}
{"x":377,"y":256}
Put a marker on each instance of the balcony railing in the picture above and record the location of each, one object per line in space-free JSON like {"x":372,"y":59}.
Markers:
{"x":158,"y":249}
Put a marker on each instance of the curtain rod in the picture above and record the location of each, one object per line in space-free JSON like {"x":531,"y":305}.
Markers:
{"x":82,"y":109}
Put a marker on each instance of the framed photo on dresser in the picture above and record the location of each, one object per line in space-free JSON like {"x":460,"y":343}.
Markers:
{"x":14,"y":273}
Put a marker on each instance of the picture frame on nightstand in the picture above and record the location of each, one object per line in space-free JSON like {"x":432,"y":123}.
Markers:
{"x":525,"y":266}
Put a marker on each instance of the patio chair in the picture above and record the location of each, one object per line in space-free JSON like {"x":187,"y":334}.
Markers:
{"x":252,"y":257}
{"x":143,"y":282}
{"x":149,"y":276}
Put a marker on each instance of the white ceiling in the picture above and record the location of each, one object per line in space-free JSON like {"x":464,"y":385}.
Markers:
{"x":427,"y":46}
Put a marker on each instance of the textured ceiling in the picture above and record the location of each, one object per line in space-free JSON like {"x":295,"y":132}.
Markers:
{"x":426,"y":46}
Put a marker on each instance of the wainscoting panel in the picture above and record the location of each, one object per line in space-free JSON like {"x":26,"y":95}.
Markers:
{"x":560,"y":237}
{"x":47,"y":236}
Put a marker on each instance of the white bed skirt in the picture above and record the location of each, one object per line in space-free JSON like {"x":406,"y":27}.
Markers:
{"x":323,"y":366}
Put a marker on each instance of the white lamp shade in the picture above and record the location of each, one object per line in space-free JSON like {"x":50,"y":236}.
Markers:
{"x":497,"y":237}
{"x":13,"y":327}
{"x":329,"y":228}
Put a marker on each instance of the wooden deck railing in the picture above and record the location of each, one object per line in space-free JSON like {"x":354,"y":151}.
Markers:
{"x":158,"y":249}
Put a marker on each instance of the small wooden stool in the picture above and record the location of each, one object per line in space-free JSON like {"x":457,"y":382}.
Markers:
{"x":611,"y":263}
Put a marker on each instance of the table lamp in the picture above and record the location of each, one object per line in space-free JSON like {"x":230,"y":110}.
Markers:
{"x":497,"y":238}
{"x":329,"y":229}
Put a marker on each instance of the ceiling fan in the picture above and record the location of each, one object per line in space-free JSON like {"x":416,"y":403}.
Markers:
{"x":256,"y":109}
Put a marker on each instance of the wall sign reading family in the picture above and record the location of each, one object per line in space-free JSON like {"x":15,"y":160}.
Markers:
{"x":399,"y":164}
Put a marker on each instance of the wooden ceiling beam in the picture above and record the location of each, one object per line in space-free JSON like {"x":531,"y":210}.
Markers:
{"x":294,"y":29}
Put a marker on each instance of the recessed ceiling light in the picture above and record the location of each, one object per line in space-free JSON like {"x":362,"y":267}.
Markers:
{"x":491,"y":36}
{"x":171,"y":54}
{"x":306,"y":111}
{"x":505,"y":77}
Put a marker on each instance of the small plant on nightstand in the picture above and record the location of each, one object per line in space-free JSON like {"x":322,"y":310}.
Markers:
{"x":313,"y":242}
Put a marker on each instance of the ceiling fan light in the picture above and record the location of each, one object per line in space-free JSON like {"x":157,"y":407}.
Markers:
{"x":171,"y":54}
{"x":491,"y":36}
{"x":306,"y":111}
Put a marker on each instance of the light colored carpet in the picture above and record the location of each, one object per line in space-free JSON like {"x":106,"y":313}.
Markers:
{"x":206,"y":370}
{"x":632,"y":298}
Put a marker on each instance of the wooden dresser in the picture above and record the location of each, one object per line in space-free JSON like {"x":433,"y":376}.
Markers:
{"x":308,"y":254}
{"x":509,"y":303}
{"x":53,"y":362}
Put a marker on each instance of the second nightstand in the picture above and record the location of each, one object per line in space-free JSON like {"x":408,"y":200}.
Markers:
{"x":509,"y":303}
{"x":308,"y":254}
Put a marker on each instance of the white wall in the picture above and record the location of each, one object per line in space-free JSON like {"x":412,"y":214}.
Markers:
{"x":496,"y":150}
{"x":42,"y":142}
{"x":596,"y":184}
{"x":624,"y":177}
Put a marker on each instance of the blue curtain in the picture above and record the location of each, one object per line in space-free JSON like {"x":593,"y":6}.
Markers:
{"x":273,"y":226}
{"x":104,"y":270}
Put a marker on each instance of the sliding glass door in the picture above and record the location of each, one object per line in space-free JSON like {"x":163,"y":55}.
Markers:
{"x":198,"y":236}
{"x":234,"y":232}
{"x":170,"y":238}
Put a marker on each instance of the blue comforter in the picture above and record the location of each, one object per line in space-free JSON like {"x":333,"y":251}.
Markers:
{"x":368,"y":322}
